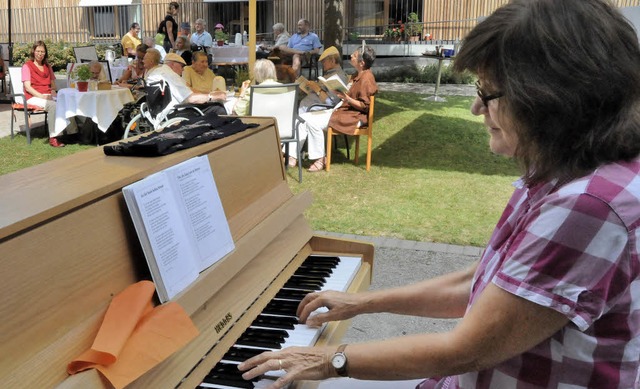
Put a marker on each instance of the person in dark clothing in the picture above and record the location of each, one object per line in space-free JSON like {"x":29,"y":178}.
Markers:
{"x":169,"y":27}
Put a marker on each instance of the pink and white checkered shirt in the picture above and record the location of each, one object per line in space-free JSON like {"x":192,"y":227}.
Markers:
{"x":574,"y":250}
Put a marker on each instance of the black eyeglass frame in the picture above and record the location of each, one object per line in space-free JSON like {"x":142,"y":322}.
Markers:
{"x":486,"y":99}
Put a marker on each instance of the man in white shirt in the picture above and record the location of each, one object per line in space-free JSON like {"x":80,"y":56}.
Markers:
{"x":171,"y":72}
{"x":151,"y":43}
{"x":201,"y":37}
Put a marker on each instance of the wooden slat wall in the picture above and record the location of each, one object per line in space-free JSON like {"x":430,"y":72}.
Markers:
{"x":64,"y":20}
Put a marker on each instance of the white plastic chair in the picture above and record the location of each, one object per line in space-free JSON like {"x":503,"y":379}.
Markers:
{"x":87,"y":53}
{"x":279,"y":101}
{"x":19,"y":102}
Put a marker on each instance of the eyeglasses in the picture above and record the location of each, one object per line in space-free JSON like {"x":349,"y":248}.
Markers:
{"x":486,"y":99}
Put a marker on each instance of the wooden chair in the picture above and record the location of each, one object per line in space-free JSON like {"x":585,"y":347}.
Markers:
{"x":18,"y":102}
{"x":368,"y":131}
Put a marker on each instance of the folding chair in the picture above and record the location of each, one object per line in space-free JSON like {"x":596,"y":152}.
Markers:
{"x":280,"y":101}
{"x":367,"y":130}
{"x":18,"y":102}
{"x":87,"y":53}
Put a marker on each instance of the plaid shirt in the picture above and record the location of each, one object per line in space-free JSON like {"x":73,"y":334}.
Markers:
{"x":574,"y":250}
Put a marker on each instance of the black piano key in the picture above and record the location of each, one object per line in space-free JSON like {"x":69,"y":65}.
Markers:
{"x":259,"y":343}
{"x":241,"y":354}
{"x":281,"y":307}
{"x":283,"y":322}
{"x":291,"y":294}
{"x":302,"y":284}
{"x":265,"y":332}
{"x":312,"y":271}
{"x":309,"y":278}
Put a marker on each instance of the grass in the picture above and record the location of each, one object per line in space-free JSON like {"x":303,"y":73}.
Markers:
{"x":432,"y":178}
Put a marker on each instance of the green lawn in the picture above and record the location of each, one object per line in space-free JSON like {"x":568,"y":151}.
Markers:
{"x":432,"y":178}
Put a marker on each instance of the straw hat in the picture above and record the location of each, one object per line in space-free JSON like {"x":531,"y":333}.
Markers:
{"x":328,"y":52}
{"x":175,"y":58}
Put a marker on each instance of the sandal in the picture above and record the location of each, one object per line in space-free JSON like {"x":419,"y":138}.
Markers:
{"x":292,"y":162}
{"x":317,"y":166}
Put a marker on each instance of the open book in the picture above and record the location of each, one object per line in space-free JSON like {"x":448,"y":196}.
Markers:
{"x":179,"y":219}
{"x":334,"y":83}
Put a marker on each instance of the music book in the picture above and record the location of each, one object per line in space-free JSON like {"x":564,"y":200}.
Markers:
{"x":179,"y":219}
{"x":334,"y":83}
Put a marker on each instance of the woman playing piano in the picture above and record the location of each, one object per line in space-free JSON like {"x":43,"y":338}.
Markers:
{"x":555,"y":299}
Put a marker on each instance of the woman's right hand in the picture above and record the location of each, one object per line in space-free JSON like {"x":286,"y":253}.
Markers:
{"x":341,"y":306}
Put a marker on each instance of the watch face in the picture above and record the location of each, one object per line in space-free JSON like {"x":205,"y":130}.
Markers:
{"x":338,"y":361}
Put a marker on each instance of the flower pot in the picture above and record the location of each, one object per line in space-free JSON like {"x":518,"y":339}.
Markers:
{"x":220,"y":43}
{"x":82,"y":86}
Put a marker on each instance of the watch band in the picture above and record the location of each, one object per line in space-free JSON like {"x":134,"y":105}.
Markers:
{"x":342,"y":371}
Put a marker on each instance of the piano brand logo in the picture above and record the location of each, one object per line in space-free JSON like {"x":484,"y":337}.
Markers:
{"x":223,"y":323}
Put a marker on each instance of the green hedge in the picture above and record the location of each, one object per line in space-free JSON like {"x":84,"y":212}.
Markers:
{"x":60,"y":53}
{"x":424,"y":74}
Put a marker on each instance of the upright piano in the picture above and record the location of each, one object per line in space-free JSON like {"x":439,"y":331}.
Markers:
{"x":68,"y":245}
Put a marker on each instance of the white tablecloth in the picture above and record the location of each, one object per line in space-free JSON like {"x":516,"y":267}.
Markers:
{"x":229,"y":54}
{"x":101,"y":106}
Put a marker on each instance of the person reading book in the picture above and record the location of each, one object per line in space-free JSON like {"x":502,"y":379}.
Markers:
{"x":344,"y":117}
{"x":331,"y":67}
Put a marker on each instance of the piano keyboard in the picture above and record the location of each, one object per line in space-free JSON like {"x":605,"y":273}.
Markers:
{"x":276,"y":327}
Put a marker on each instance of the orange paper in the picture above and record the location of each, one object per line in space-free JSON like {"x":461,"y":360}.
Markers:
{"x":134,"y":336}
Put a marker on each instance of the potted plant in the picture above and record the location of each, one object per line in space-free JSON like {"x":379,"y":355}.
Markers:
{"x":221,"y":37}
{"x":394,"y":32}
{"x":82,"y":74}
{"x":414,"y":27}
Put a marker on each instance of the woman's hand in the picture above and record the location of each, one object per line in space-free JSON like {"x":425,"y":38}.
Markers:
{"x":299,"y":363}
{"x":341,"y":306}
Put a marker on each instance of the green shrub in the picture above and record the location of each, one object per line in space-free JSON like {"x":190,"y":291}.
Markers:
{"x":60,"y":53}
{"x":424,"y":74}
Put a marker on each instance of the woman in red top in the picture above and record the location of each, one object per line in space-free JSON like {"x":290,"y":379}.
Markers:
{"x":40,"y":87}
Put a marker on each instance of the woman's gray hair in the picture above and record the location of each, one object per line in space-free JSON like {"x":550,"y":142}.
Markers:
{"x":184,"y":40}
{"x":264,"y":70}
{"x":278,"y":27}
{"x":201,"y":21}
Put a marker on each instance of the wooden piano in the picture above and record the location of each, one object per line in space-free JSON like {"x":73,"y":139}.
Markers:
{"x":67,"y":246}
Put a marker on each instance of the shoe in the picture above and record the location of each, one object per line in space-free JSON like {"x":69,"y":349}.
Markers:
{"x":317,"y":166}
{"x":292,"y":162}
{"x":55,"y":142}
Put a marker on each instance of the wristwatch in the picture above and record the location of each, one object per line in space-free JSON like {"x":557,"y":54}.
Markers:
{"x":339,"y":361}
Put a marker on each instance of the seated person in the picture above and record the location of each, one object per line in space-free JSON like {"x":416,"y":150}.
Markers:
{"x":280,"y":37}
{"x":301,"y":46}
{"x":131,"y":40}
{"x":97,"y":72}
{"x":201,"y":38}
{"x":151,"y":43}
{"x":320,"y":94}
{"x":171,"y":72}
{"x":344,"y":118}
{"x":135,"y":70}
{"x":39,"y":85}
{"x":264,"y":73}
{"x":200,"y":78}
{"x":183,"y":49}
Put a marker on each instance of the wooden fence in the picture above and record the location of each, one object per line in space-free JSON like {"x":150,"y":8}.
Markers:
{"x":64,"y":20}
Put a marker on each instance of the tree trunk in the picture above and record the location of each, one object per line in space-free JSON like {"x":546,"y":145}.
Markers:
{"x":333,"y":24}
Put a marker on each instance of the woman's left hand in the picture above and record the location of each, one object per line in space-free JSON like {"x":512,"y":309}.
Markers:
{"x":299,"y":363}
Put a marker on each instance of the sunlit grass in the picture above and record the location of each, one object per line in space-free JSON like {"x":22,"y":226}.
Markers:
{"x":432,"y":178}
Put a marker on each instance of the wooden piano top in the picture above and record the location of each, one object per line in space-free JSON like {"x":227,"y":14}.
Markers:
{"x":67,"y":246}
